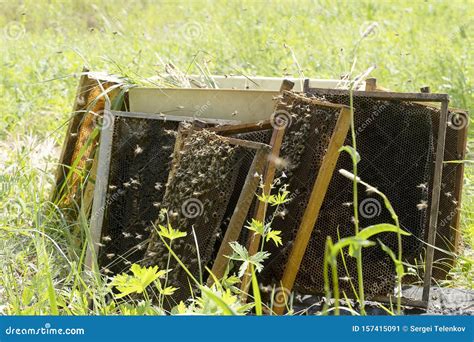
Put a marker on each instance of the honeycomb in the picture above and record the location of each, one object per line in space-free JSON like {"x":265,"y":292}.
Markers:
{"x":89,"y":105}
{"x":197,"y":197}
{"x":139,"y":168}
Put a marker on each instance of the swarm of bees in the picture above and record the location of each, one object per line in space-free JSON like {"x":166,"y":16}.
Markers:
{"x":196,"y":198}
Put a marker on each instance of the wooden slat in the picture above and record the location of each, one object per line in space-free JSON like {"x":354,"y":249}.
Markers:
{"x":237,"y":220}
{"x":311,"y":213}
{"x":435,"y":196}
{"x":384,"y":95}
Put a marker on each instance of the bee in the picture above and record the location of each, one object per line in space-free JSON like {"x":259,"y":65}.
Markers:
{"x":158,"y":186}
{"x":126,"y":235}
{"x":106,"y":238}
{"x":138,"y":236}
{"x":110,"y":255}
{"x":138,"y":150}
{"x":422,"y":205}
{"x":346,"y":278}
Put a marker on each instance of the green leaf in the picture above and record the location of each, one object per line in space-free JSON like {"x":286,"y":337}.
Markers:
{"x":370,"y":231}
{"x":219,"y":301}
{"x":257,"y":260}
{"x":240,"y":252}
{"x":280,"y":198}
{"x":352,"y":242}
{"x":256,"y":294}
{"x":168,"y":291}
{"x":256,"y":226}
{"x":137,"y":283}
{"x":181,"y":308}
{"x":171,"y":233}
{"x":352,"y":152}
{"x":398,"y":265}
{"x":275,"y":236}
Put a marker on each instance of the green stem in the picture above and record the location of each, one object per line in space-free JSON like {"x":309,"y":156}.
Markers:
{"x":360,"y":279}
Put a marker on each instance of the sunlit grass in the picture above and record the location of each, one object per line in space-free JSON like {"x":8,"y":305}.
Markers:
{"x":43,"y":44}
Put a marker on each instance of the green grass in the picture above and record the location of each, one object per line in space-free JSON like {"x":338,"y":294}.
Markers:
{"x":416,"y":44}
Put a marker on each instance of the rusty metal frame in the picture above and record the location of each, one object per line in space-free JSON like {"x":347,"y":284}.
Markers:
{"x":437,"y":177}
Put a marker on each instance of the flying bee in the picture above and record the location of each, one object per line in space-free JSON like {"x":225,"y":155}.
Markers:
{"x":100,"y":244}
{"x":106,"y":238}
{"x":138,"y":150}
{"x":422,"y":205}
{"x":126,"y":235}
{"x":110,"y":255}
{"x":422,"y":186}
{"x":158,"y":186}
{"x":139,"y":236}
{"x":346,"y":278}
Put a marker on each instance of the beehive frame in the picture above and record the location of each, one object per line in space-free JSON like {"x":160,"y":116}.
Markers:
{"x":94,"y":92}
{"x":102,"y":174}
{"x":208,"y":222}
{"x":443,"y":99}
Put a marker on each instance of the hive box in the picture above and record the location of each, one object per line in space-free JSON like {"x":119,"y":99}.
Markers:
{"x":237,"y":98}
